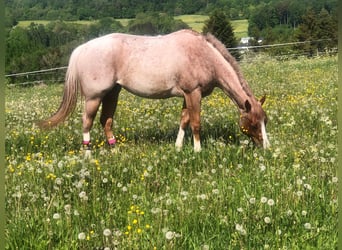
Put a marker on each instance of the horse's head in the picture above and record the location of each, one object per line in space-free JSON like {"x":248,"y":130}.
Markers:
{"x":253,"y":122}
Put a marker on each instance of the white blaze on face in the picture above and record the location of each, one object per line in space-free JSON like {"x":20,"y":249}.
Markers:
{"x":265,"y":141}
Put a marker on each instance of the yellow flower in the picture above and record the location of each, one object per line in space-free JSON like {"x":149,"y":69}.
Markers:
{"x":135,"y":221}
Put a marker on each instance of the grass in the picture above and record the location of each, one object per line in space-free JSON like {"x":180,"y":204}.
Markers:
{"x":195,"y":22}
{"x":145,"y":195}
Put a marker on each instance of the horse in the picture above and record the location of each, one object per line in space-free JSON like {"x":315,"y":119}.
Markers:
{"x":183,"y":64}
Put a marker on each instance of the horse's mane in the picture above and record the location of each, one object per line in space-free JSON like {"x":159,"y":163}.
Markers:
{"x":230,"y":59}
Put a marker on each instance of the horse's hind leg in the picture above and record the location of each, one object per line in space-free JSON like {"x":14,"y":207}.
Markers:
{"x":90,"y":110}
{"x":109,"y":103}
{"x":193,"y":104}
{"x":184,"y":122}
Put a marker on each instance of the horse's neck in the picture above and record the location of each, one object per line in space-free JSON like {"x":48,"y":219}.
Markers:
{"x":238,"y":91}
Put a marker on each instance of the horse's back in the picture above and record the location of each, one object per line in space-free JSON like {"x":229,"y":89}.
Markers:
{"x":149,"y":66}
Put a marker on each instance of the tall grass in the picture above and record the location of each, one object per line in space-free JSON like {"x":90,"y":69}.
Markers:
{"x":145,"y":195}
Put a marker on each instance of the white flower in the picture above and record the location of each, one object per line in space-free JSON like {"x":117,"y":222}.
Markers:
{"x":252,"y":200}
{"x":263,"y":199}
{"x":267,"y":220}
{"x":107,"y":232}
{"x":262,"y":167}
{"x":216,"y":191}
{"x":304,"y":213}
{"x":81,"y":236}
{"x":307,"y":186}
{"x":56,"y":216}
{"x":307,"y":226}
{"x":169,"y":235}
{"x":270,"y":202}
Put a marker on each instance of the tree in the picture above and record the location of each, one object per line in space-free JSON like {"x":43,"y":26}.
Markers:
{"x":219,"y":25}
{"x":319,"y":30}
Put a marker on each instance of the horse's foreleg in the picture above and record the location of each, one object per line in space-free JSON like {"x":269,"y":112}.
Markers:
{"x":193,"y":103}
{"x":184,"y":122}
{"x":109,"y":103}
{"x":90,"y":110}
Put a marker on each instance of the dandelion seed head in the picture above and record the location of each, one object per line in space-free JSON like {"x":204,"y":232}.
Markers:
{"x":267,"y":220}
{"x":56,"y":216}
{"x":81,"y":236}
{"x":107,"y":232}
{"x":263,"y":199}
{"x":270,"y":202}
{"x":307,"y":226}
{"x":169,"y":235}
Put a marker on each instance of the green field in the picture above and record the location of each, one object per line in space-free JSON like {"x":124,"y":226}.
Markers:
{"x":146,"y":195}
{"x":195,"y":22}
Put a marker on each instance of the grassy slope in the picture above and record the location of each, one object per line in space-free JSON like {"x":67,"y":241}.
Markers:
{"x":229,"y":196}
{"x":196,"y":22}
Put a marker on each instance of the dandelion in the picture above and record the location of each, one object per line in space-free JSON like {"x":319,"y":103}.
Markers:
{"x":267,"y":220}
{"x":169,"y":235}
{"x":56,"y":216}
{"x":263,"y":199}
{"x":304,"y":213}
{"x":270,"y":202}
{"x":81,"y":236}
{"x":307,"y":226}
{"x":299,"y":193}
{"x":252,"y":200}
{"x":307,"y":186}
{"x":240,"y":229}
{"x":107,"y":232}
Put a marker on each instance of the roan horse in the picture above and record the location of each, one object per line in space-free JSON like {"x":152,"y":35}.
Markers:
{"x":184,"y":64}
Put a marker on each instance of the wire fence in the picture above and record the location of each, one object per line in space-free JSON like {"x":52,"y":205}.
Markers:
{"x":281,"y":51}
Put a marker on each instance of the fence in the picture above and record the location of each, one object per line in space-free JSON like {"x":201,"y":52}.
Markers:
{"x":282,"y":51}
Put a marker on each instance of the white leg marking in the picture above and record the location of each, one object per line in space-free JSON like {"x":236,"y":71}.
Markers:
{"x":180,"y":138}
{"x":197,"y":145}
{"x":86,"y":136}
{"x":265,"y":141}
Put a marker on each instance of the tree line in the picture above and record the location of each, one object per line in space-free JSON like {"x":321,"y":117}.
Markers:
{"x":46,"y":46}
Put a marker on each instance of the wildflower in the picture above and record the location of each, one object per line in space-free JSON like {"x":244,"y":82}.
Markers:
{"x":169,"y":235}
{"x":81,"y":236}
{"x":252,"y":200}
{"x":307,"y":226}
{"x":107,"y":232}
{"x":263,"y":199}
{"x":270,"y":202}
{"x":307,"y":186}
{"x":267,"y":220}
{"x":135,"y":221}
{"x":56,"y":216}
{"x":240,"y":229}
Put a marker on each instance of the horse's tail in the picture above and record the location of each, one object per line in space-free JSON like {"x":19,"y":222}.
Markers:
{"x":70,"y":93}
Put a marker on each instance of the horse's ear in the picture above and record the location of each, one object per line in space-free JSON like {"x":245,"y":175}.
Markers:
{"x":248,"y":106}
{"x":262,"y":100}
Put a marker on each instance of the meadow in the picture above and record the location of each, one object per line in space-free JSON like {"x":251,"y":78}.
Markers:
{"x":195,"y":22}
{"x":143,"y":194}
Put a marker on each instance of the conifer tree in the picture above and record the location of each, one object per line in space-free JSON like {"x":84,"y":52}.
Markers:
{"x":220,"y":26}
